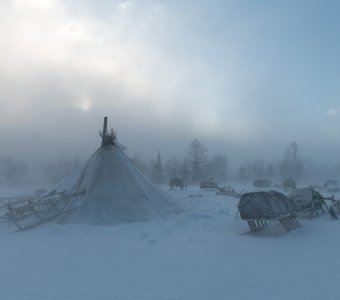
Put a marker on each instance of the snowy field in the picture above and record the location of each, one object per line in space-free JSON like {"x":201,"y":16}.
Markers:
{"x":200,"y":254}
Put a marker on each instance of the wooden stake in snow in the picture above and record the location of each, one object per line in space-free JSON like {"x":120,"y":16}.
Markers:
{"x":104,"y":131}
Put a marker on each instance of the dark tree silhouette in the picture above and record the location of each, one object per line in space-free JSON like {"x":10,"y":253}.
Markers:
{"x":157,"y":175}
{"x":196,"y":156}
{"x":292,"y":164}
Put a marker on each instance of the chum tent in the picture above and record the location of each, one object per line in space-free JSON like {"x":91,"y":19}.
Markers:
{"x":113,"y":190}
{"x":108,"y":189}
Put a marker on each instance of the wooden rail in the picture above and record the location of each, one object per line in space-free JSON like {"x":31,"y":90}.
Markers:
{"x":29,"y":212}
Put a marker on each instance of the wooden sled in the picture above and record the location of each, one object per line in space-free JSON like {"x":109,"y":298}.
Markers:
{"x":288,"y":223}
{"x":228,"y":191}
{"x":27,"y":213}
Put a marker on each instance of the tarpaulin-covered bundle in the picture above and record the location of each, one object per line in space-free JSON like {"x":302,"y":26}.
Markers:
{"x":265,"y":205}
{"x":303,"y":198}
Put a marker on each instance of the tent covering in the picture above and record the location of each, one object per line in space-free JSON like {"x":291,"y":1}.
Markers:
{"x":112,"y":190}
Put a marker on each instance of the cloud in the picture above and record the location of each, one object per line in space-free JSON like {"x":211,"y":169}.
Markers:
{"x":58,"y":59}
{"x":164,"y":72}
{"x":56,"y":65}
{"x":333,"y":111}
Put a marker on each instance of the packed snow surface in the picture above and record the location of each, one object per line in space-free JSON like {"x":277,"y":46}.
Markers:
{"x":202,"y":253}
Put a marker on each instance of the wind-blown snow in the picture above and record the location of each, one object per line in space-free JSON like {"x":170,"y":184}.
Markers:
{"x":200,"y":254}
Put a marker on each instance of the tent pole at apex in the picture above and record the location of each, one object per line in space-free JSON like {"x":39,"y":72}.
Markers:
{"x":104,"y":131}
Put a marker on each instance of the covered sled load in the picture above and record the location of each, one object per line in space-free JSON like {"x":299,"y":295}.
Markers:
{"x":265,"y":205}
{"x":259,"y":207}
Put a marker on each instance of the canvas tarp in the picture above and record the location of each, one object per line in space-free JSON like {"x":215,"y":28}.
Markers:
{"x":265,"y":205}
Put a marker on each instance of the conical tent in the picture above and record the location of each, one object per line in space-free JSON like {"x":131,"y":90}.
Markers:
{"x":109,"y":189}
{"x":112,"y":190}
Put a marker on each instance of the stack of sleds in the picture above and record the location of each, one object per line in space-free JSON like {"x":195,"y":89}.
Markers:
{"x":228,"y":191}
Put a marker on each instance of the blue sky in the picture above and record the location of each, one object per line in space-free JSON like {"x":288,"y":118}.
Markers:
{"x":244,"y":77}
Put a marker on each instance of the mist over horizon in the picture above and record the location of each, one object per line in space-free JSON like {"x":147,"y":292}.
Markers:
{"x":245,"y":79}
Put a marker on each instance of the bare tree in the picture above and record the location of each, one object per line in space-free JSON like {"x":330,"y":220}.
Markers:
{"x":173,"y":167}
{"x":157,"y":174}
{"x":292,"y":164}
{"x":13,"y":171}
{"x":185,"y":172}
{"x":252,"y":170}
{"x":259,"y":169}
{"x":271,"y":171}
{"x":243,"y":172}
{"x":217,"y":167}
{"x":196,"y":157}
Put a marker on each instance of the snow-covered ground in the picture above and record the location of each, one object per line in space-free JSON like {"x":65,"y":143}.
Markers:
{"x":200,"y":254}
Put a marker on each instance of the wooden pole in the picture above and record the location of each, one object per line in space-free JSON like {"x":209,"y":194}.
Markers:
{"x":104,"y":131}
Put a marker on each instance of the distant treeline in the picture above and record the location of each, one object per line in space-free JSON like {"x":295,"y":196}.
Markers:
{"x":195,"y":165}
{"x":14,"y":171}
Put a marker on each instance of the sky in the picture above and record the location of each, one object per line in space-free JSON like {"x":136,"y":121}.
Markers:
{"x":245,"y":78}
